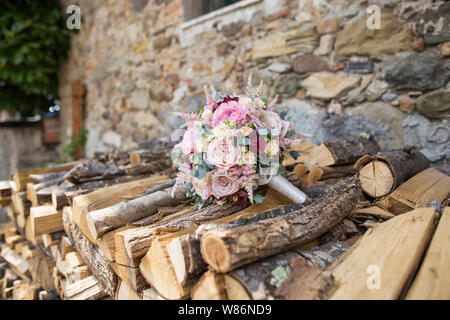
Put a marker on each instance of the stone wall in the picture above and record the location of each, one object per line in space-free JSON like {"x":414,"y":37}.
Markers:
{"x":139,"y":62}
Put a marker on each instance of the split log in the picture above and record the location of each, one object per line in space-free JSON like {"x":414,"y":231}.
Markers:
{"x":90,"y":253}
{"x":50,"y":239}
{"x":150,"y":294}
{"x":173,"y":274}
{"x":432,"y":281}
{"x":86,"y":289}
{"x":107,"y":219}
{"x":124,"y":292}
{"x":41,"y":269}
{"x":109,"y":196}
{"x":384,"y":172}
{"x":21,"y":203}
{"x":5,"y":189}
{"x":74,"y":259}
{"x":45,"y":219}
{"x":8,"y":281}
{"x":211,"y":286}
{"x":229,"y":246}
{"x":65,"y":246}
{"x":131,"y":276}
{"x":78,"y":273}
{"x":17,"y":264}
{"x":382,"y":263}
{"x":35,"y":196}
{"x":341,"y":152}
{"x":418,"y":191}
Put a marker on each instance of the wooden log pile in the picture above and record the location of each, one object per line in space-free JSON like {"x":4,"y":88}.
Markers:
{"x":108,"y":228}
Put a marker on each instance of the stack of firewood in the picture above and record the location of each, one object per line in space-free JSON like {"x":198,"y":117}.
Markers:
{"x":108,"y":227}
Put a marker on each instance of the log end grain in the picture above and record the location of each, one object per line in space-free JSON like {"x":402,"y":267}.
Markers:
{"x":215,"y":253}
{"x":376,"y":178}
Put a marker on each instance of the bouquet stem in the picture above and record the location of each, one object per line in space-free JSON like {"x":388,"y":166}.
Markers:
{"x":287,"y":189}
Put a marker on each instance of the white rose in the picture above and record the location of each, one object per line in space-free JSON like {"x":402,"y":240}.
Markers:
{"x":223,"y":131}
{"x":246,"y":131}
{"x":248,"y":158}
{"x":272,"y":147}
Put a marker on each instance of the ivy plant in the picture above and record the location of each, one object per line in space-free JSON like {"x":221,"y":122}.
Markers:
{"x":33,"y":41}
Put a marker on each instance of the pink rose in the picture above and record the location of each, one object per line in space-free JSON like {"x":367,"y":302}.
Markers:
{"x":229,"y":111}
{"x":223,"y":185}
{"x":203,"y":186}
{"x":222,"y":153}
{"x":188,"y":142}
{"x":270,"y":120}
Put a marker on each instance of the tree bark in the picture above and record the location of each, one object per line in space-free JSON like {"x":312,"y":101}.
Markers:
{"x":107,"y":219}
{"x":243,"y":241}
{"x":382,"y":173}
{"x":91,"y":254}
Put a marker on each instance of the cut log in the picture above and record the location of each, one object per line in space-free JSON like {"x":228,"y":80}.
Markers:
{"x":131,"y":276}
{"x":26,"y":291}
{"x":382,"y":173}
{"x":74,"y":259}
{"x":21,"y":204}
{"x":211,"y":286}
{"x":5,"y":189}
{"x":21,"y":178}
{"x":235,"y":244}
{"x":78,"y":273}
{"x":110,"y":218}
{"x":8,"y":281}
{"x":45,"y":219}
{"x":50,"y":239}
{"x":341,"y":152}
{"x":17,"y":264}
{"x":142,"y":156}
{"x":173,"y":276}
{"x":150,"y":294}
{"x":92,"y":170}
{"x":418,"y":191}
{"x":107,"y":243}
{"x":92,"y":256}
{"x":383,"y":262}
{"x":433,"y":281}
{"x":294,"y":274}
{"x":65,"y":246}
{"x":107,"y":197}
{"x":124,"y":292}
{"x":133,"y":244}
{"x":86,"y":289}
{"x":44,"y":177}
{"x":35,"y":195}
{"x":41,"y":271}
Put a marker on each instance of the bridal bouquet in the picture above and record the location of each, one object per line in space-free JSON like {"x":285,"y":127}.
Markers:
{"x":233,"y":145}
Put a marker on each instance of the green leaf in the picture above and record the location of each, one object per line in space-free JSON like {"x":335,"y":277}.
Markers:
{"x":290,"y":133}
{"x":294,"y":154}
{"x":258,"y":198}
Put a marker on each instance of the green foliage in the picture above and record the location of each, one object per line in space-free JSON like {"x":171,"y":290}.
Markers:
{"x":33,"y":40}
{"x":71,"y":149}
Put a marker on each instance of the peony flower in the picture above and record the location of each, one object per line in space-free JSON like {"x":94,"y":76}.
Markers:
{"x":271,"y":120}
{"x":223,"y":185}
{"x":203,"y":186}
{"x":187,"y":144}
{"x":229,"y":111}
{"x":222,"y":153}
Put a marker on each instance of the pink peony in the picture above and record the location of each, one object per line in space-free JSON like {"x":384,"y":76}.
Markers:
{"x":203,"y":186}
{"x":223,"y":185}
{"x":222,"y":153}
{"x":270,"y":120}
{"x":188,"y":142}
{"x":229,"y":111}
